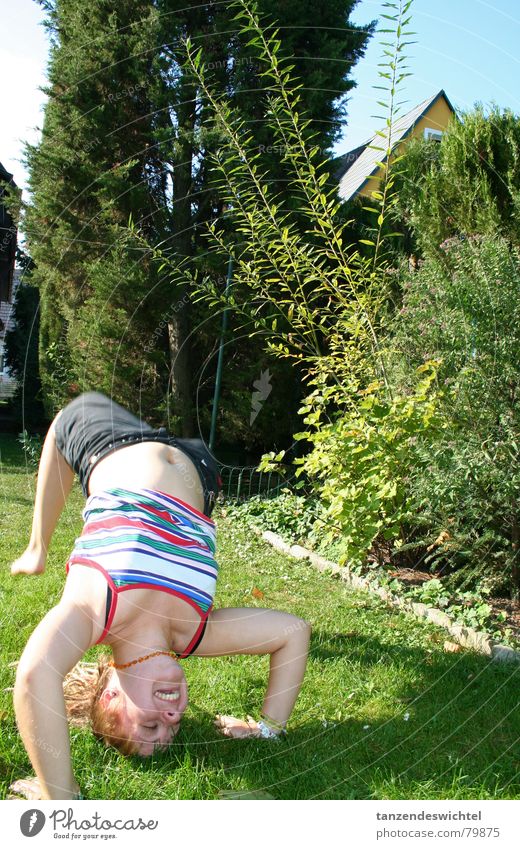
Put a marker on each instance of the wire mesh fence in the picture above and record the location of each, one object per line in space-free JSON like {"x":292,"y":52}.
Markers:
{"x":242,"y":482}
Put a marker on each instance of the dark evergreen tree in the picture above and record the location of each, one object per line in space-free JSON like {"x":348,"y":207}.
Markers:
{"x":125,"y":137}
{"x":96,"y":168}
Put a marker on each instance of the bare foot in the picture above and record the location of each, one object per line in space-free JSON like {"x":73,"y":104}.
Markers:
{"x":30,"y":563}
{"x":28,"y":788}
{"x":230,"y":726}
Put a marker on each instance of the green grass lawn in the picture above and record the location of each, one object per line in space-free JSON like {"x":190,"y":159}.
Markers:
{"x":384,"y":712}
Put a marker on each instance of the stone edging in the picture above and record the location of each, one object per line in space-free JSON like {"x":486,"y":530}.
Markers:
{"x":462,"y":634}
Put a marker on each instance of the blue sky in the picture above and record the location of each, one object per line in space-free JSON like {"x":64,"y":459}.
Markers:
{"x":467,"y":47}
{"x":470,"y":48}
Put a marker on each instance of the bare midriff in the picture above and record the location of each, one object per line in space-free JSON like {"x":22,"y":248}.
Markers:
{"x":149,"y":465}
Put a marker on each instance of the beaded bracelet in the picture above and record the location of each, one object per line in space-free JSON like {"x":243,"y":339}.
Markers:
{"x":273,"y":723}
{"x":266,"y":732}
{"x":269,"y":728}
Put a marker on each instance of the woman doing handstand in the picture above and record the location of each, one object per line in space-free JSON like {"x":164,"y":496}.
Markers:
{"x":141,"y":579}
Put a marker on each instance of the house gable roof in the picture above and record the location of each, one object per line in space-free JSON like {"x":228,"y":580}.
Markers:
{"x":360,"y":166}
{"x":5,"y":175}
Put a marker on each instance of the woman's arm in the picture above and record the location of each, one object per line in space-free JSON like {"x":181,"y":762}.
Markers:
{"x":56,"y":645}
{"x":259,"y":631}
{"x":54,"y":483}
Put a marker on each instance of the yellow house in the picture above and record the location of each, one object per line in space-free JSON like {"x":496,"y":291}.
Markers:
{"x":357,"y":170}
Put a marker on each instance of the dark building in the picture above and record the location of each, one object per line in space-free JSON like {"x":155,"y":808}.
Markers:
{"x":7,"y":239}
{"x":9,"y":278}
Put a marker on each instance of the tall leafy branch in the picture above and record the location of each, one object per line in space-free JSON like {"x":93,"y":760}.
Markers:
{"x":316,"y":299}
{"x":393,"y":71}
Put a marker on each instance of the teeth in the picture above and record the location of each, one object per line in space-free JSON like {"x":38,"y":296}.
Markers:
{"x":167,"y":697}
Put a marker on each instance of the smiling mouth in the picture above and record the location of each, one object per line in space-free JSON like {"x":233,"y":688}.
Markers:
{"x":167,"y":695}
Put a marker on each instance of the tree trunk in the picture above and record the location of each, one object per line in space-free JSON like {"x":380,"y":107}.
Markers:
{"x":515,"y":540}
{"x":179,"y":326}
{"x":180,"y":372}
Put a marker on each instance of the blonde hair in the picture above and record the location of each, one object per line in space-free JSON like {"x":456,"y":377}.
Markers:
{"x":82,"y":689}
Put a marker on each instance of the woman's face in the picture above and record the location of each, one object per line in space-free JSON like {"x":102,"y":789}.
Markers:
{"x":151,"y":702}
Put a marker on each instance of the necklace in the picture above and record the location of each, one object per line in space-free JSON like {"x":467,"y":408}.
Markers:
{"x":141,"y":659}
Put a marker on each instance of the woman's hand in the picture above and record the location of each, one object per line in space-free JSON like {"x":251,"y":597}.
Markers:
{"x":230,"y":726}
{"x":28,"y":788}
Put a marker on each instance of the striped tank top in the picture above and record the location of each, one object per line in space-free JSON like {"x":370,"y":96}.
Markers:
{"x":145,"y":539}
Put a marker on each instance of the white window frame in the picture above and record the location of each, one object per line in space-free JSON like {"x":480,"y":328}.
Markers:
{"x":430,"y":133}
{"x":3,"y":368}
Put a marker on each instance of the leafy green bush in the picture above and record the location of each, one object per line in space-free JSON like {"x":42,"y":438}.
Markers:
{"x":292,"y":516}
{"x":359,"y":461}
{"x":317,"y":300}
{"x":469,"y":183}
{"x":464,"y":309}
{"x":32,"y":448}
{"x":21,"y":347}
{"x":466,"y":608}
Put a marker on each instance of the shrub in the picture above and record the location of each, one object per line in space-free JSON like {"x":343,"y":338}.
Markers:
{"x":21,"y":344}
{"x":292,"y":516}
{"x":469,"y":183}
{"x":359,"y":462}
{"x":464,"y":309}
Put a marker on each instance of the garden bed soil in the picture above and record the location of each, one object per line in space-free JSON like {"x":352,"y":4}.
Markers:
{"x":410,"y":576}
{"x":415,"y":577}
{"x":511,"y":609}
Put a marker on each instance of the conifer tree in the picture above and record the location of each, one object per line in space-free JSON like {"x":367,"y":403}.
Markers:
{"x":468,"y":184}
{"x":125,"y":140}
{"x":94,"y":170}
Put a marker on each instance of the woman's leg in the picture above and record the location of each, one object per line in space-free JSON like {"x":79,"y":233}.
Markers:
{"x":55,"y":478}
